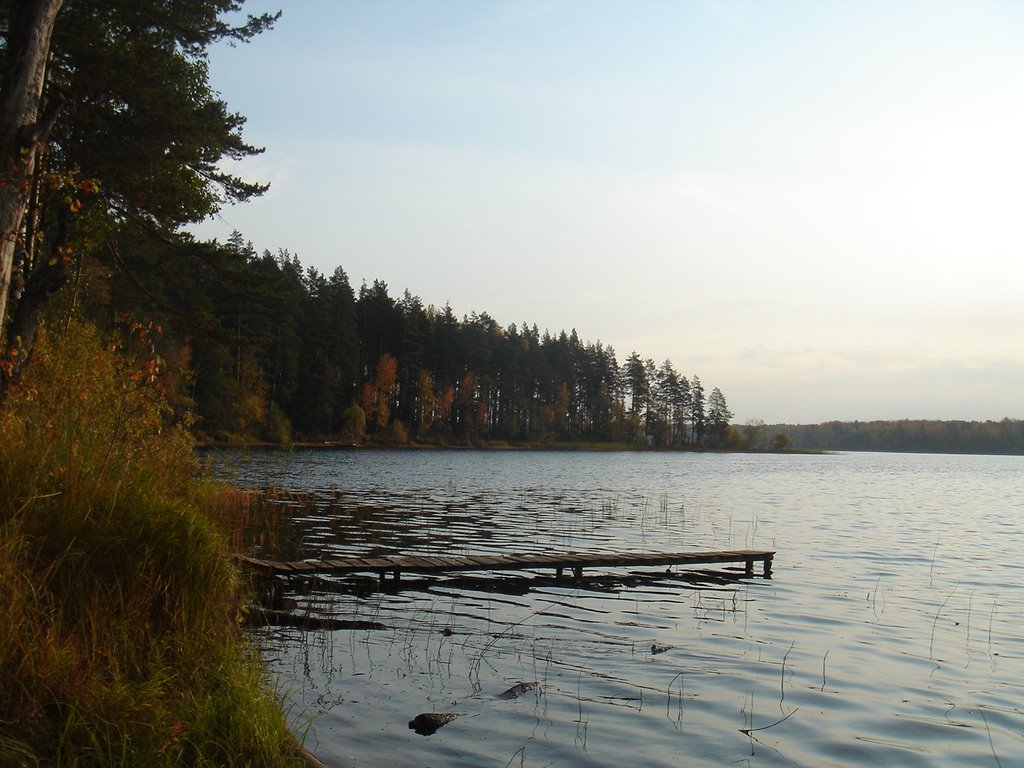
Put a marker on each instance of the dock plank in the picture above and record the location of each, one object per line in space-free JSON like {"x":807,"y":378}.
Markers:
{"x":513,"y":561}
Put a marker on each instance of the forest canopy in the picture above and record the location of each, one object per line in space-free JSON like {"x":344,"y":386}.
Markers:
{"x":110,"y":131}
{"x":261,"y":347}
{"x":113,"y":144}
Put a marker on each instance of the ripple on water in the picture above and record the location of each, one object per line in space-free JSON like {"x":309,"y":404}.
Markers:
{"x":890,"y":634}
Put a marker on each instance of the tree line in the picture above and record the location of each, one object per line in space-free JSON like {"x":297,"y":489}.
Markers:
{"x":112,"y":141}
{"x":912,"y":436}
{"x":266,"y":348}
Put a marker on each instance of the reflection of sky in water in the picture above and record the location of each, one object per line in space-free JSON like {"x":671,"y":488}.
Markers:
{"x":890,"y":633}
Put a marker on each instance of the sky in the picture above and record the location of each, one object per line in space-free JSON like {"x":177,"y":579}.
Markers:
{"x":816,"y":207}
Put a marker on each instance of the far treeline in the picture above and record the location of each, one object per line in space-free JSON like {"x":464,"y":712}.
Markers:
{"x":258,"y":347}
{"x":910,"y":436}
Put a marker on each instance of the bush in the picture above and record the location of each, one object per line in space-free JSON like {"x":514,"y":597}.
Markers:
{"x":120,"y":642}
{"x":279,"y":428}
{"x":397,"y":433}
{"x":353,"y":424}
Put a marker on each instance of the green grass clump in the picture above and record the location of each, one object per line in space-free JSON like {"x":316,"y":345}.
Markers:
{"x":119,"y":626}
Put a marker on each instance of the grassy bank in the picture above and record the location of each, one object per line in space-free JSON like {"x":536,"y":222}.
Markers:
{"x":119,"y":638}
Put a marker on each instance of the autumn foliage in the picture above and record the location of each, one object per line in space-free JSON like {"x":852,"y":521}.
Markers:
{"x":119,"y":644}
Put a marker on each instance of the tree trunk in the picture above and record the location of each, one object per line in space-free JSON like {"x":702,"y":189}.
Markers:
{"x":48,"y":277}
{"x":21,"y":131}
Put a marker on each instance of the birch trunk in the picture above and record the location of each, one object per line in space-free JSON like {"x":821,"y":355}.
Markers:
{"x":28,"y":48}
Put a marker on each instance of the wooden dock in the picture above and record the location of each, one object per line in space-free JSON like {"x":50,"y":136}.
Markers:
{"x":396,"y":565}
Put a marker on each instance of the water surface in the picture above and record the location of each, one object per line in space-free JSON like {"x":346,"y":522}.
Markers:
{"x":890,"y":634}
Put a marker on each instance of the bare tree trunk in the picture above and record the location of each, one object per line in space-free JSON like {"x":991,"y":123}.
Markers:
{"x":21,"y":130}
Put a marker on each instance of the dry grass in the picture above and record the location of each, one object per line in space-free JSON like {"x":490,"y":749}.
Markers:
{"x":119,"y":639}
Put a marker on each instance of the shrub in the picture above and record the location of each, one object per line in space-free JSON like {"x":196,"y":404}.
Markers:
{"x":120,"y":642}
{"x":397,"y":433}
{"x":279,"y":428}
{"x":353,"y":424}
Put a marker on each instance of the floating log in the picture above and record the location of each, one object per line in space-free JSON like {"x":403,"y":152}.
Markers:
{"x":260,"y":617}
{"x":428,"y":722}
{"x":517,"y":690}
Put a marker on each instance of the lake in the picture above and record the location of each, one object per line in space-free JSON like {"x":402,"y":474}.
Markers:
{"x":891,"y":631}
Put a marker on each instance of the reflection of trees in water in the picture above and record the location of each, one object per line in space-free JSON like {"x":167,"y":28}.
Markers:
{"x":288,"y":525}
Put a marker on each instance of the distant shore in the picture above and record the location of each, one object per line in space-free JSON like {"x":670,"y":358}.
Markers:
{"x":485,"y":446}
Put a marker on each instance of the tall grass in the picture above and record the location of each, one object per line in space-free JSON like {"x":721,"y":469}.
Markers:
{"x":119,"y":636}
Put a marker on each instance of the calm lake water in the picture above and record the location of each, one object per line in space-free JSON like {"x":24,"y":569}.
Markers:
{"x":891,"y":633}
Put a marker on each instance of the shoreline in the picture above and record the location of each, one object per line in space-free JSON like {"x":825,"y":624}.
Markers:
{"x":550,"y":447}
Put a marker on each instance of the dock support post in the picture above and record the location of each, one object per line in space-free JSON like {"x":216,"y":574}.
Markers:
{"x":577,"y":571}
{"x":768,"y":567}
{"x":750,"y":567}
{"x":558,"y":573}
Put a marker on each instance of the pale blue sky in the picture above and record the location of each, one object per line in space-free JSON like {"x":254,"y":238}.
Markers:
{"x":816,"y":206}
